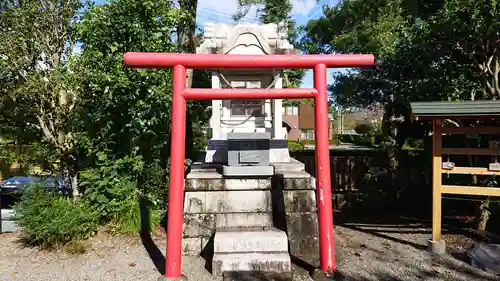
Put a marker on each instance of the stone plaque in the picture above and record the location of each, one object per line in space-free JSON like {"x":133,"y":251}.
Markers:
{"x":248,"y":149}
{"x":249,"y":157}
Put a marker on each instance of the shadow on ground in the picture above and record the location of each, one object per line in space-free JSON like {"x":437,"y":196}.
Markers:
{"x":380,"y":224}
{"x":385,"y":226}
{"x":147,"y":241}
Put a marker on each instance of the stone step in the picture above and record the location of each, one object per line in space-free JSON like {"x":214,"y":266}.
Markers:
{"x":247,"y":262}
{"x":239,"y":240}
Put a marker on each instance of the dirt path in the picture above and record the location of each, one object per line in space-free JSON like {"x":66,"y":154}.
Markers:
{"x":364,"y":253}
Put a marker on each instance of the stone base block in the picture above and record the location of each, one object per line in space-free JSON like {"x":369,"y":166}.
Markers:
{"x":263,"y":262}
{"x":253,"y":239}
{"x":437,"y":247}
{"x":302,"y":229}
{"x":246,"y":171}
{"x":223,"y":202}
{"x":6,"y":214}
{"x":8,"y":226}
{"x":194,"y":246}
{"x":232,"y":220}
{"x":165,"y":278}
{"x":292,"y":166}
{"x":256,"y":276}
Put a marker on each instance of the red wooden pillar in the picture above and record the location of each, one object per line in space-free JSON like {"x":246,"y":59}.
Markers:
{"x":176,"y":184}
{"x":323,"y":178}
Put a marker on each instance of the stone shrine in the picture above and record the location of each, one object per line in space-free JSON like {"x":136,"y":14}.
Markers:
{"x":249,"y":206}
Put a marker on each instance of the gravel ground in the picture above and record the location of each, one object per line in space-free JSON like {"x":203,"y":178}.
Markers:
{"x":364,"y":253}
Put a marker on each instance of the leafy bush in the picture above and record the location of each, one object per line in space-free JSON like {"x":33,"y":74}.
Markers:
{"x":365,"y":128}
{"x":294,"y":145}
{"x":114,"y":188}
{"x":129,"y":219}
{"x":332,"y":141}
{"x":111,"y":186}
{"x":49,"y":220}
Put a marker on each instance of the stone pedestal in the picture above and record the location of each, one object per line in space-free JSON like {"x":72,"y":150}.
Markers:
{"x":285,"y":201}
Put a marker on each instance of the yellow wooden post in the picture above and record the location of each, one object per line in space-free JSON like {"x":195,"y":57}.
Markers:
{"x":437,"y":138}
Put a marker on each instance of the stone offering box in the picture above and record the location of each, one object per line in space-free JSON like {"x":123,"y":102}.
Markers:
{"x":248,"y":155}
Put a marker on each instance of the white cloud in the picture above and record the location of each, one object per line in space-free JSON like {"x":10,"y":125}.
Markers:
{"x":222,"y":10}
{"x":303,"y":7}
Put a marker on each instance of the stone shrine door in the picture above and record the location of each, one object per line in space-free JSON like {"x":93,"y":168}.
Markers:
{"x":246,"y":108}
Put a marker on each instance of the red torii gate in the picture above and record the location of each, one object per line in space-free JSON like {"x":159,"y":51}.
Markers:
{"x":179,"y":62}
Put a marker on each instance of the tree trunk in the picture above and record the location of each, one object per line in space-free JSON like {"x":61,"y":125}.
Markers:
{"x":74,"y":185}
{"x":390,"y":147}
{"x":186,"y":34}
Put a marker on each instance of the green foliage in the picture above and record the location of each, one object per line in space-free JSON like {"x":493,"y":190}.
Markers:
{"x":295,"y":145}
{"x":37,"y":101}
{"x":129,"y":219}
{"x":48,"y":220}
{"x":365,"y":128}
{"x":111,"y":186}
{"x":127,"y":111}
{"x":364,"y":140}
{"x":116,"y":187}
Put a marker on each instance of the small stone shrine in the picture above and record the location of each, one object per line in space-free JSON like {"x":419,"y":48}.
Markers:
{"x":249,"y":206}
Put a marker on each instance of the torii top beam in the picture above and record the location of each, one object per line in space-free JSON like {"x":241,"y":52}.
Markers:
{"x":207,"y":61}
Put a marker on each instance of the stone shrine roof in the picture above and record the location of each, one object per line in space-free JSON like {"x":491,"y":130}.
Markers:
{"x":245,"y":38}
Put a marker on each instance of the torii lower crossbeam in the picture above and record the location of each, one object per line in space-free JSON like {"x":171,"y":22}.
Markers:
{"x":179,"y":62}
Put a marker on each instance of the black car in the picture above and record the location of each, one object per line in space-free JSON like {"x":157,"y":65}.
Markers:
{"x":10,"y":187}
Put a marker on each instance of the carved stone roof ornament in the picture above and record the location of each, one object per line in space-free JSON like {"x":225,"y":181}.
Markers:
{"x":245,"y":38}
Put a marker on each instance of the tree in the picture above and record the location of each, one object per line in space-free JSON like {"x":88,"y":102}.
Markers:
{"x":127,"y":112}
{"x":35,"y":51}
{"x":447,"y":51}
{"x":186,"y":43}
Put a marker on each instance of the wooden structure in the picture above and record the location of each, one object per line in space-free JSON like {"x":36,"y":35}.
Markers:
{"x":438,"y":112}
